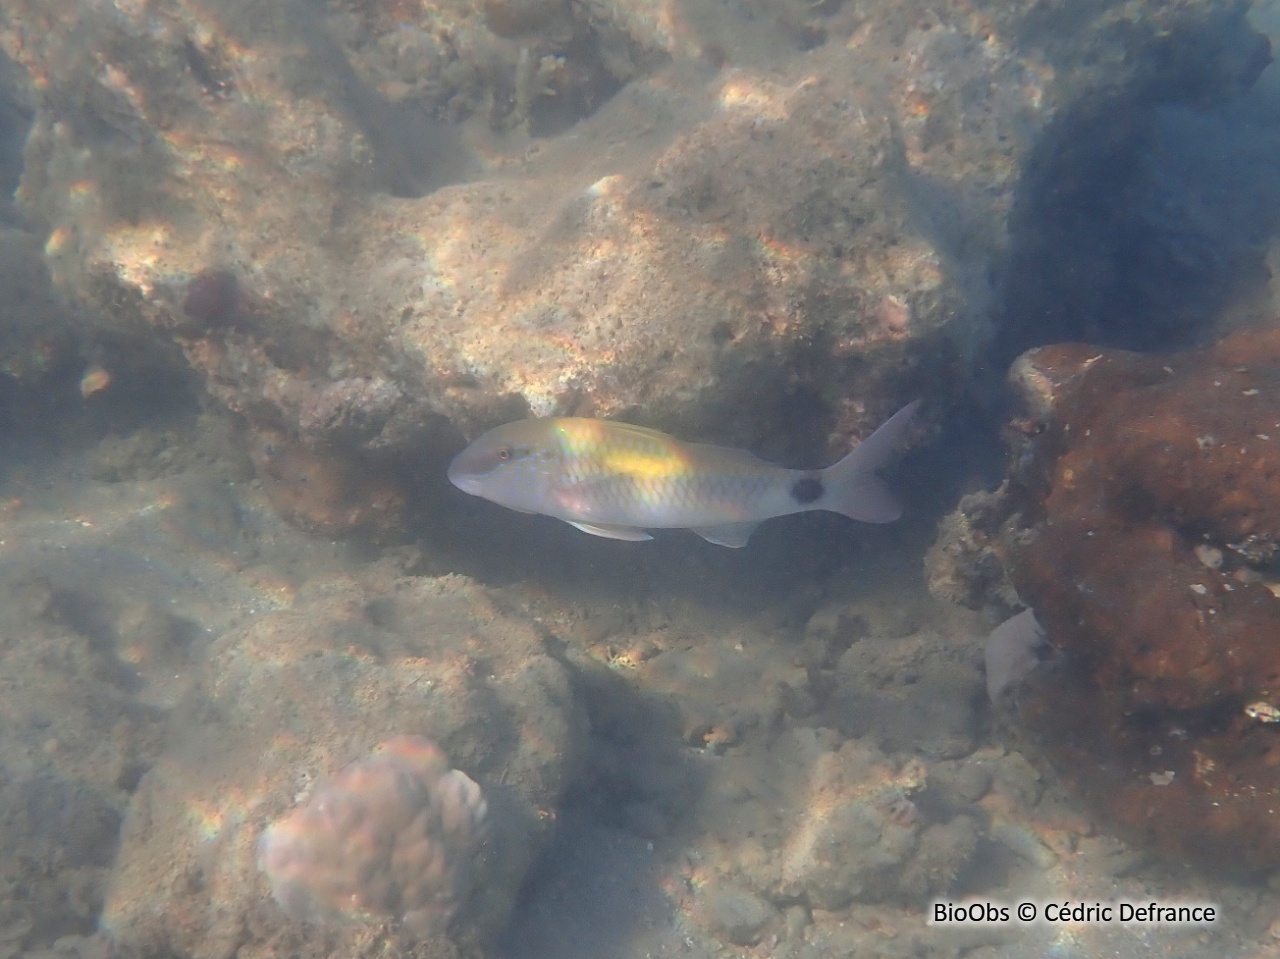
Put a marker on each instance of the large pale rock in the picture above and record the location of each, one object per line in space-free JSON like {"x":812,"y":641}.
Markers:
{"x":776,"y":224}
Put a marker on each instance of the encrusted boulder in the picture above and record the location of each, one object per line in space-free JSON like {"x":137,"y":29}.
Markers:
{"x":1141,"y":522}
{"x":395,"y":843}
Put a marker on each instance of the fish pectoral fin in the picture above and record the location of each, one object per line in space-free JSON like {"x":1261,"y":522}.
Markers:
{"x":613,"y":532}
{"x":734,"y":535}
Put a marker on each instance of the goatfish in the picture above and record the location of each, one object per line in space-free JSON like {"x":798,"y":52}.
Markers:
{"x":616,"y":480}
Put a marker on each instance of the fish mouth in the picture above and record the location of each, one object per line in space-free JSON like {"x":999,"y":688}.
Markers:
{"x":464,"y":481}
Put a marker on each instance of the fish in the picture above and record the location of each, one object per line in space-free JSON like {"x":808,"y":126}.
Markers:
{"x":619,"y":481}
{"x":1013,"y":652}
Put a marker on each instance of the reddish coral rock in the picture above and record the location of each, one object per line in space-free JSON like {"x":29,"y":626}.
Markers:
{"x":389,"y":835}
{"x":323,"y":490}
{"x":1146,"y":506}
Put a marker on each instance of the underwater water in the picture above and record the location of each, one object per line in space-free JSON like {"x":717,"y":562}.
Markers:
{"x":274,"y":686}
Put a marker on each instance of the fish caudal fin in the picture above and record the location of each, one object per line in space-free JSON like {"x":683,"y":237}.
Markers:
{"x":852,"y":487}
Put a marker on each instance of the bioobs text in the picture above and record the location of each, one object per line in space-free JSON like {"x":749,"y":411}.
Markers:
{"x":1100,"y":913}
{"x":970,"y":912}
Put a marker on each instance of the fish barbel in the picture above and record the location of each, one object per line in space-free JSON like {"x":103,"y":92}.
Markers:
{"x":615,"y":480}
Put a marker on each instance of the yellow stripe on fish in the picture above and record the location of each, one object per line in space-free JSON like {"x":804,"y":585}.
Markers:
{"x":640,"y":465}
{"x":634,"y":451}
{"x":623,"y":451}
{"x":617,"y":480}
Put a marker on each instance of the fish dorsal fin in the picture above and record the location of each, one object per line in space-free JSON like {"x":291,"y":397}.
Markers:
{"x":733,"y":535}
{"x":639,"y":431}
{"x":612,"y":532}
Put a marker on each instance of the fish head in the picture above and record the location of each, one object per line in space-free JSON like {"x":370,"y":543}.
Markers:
{"x":510,"y":465}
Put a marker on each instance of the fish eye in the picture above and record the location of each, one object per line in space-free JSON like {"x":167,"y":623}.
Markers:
{"x":504,"y":454}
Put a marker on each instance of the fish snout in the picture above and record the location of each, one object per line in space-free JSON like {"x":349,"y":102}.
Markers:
{"x":460,"y":478}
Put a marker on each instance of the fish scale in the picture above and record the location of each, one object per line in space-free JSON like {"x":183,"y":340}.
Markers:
{"x":631,"y":476}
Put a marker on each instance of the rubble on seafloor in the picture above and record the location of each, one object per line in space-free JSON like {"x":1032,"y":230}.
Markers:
{"x":1140,"y":520}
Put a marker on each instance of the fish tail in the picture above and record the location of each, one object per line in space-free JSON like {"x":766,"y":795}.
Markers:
{"x":852,"y":487}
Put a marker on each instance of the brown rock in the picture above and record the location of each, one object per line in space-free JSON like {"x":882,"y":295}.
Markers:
{"x":325,"y":490}
{"x":1161,"y":709}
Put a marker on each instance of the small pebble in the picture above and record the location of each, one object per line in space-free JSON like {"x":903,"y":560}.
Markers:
{"x":795,"y":919}
{"x":1210,"y":556}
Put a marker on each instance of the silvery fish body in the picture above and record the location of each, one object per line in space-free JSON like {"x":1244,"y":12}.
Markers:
{"x":615,"y":480}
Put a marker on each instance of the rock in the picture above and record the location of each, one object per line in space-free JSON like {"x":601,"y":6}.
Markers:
{"x":395,"y":836}
{"x":323,"y":491}
{"x":720,"y":692}
{"x":1136,"y":469}
{"x":70,"y":734}
{"x":832,"y":629}
{"x":330,"y":221}
{"x":956,"y":785}
{"x":78,"y":947}
{"x":735,"y":914}
{"x":37,"y":327}
{"x":965,"y":565}
{"x":943,"y":851}
{"x":852,"y":833}
{"x":294,"y":696}
{"x":914,"y":694}
{"x":794,"y":921}
{"x":971,"y":781}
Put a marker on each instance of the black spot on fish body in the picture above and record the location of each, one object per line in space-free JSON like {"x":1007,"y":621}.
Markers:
{"x":807,"y":489}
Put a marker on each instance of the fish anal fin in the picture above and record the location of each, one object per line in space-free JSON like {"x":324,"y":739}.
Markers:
{"x":733,"y":535}
{"x":613,"y":532}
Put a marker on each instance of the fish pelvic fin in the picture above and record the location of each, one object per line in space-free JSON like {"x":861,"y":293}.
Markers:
{"x":851,"y":486}
{"x":733,"y":535}
{"x":613,"y":532}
